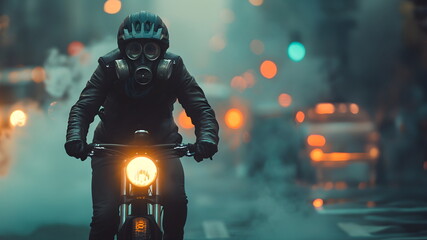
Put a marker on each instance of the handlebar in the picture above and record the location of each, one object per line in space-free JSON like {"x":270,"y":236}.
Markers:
{"x":179,"y":150}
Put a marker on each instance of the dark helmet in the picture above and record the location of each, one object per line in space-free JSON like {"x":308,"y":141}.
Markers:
{"x":143,"y":25}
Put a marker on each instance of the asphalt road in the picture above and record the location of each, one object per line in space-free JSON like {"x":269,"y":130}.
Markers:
{"x":224,"y":206}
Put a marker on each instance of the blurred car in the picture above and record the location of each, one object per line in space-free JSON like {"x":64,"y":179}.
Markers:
{"x":333,"y":137}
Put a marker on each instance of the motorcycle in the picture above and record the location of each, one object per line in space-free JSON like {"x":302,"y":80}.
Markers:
{"x":140,"y":207}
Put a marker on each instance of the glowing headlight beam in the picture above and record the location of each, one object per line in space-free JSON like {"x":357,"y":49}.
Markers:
{"x":141,"y":171}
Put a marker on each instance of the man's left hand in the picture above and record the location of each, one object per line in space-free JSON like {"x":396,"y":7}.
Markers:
{"x":205,"y":149}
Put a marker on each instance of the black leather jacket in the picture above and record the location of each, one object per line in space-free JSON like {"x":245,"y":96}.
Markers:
{"x":122,"y":116}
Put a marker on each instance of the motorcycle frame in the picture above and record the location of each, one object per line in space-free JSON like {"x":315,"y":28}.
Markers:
{"x":137,"y":201}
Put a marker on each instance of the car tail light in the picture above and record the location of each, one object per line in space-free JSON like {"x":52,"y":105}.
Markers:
{"x":316,"y":140}
{"x":325,"y":108}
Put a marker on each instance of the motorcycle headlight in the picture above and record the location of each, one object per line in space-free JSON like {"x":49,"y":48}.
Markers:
{"x":141,"y":171}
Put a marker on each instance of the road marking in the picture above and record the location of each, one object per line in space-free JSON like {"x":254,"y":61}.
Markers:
{"x":356,"y":230}
{"x":215,"y":229}
{"x":406,"y":238}
{"x":361,"y":211}
{"x":394,"y":220}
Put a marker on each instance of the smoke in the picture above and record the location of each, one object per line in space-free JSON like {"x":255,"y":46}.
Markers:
{"x":67,"y":75}
{"x":42,"y":180}
{"x":44,"y":185}
{"x":275,"y":209}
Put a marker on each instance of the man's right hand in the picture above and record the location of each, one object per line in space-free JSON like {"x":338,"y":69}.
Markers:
{"x":77,"y":149}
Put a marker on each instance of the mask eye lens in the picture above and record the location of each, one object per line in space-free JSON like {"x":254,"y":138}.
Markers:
{"x":151,"y":51}
{"x":133,"y":50}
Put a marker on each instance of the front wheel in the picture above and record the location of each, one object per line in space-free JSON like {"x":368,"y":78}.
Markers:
{"x":141,"y":229}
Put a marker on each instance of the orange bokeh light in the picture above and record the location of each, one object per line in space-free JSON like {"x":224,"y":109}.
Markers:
{"x":38,"y":74}
{"x":285,"y":100}
{"x":299,"y":117}
{"x":316,"y":140}
{"x":370,"y":204}
{"x":249,"y":78}
{"x":256,"y":2}
{"x":184,"y":121}
{"x":239,"y":83}
{"x":317,"y":203}
{"x":340,"y":185}
{"x":354,"y":108}
{"x":217,"y":42}
{"x":374,"y":152}
{"x":328,"y":185}
{"x":325,"y":108}
{"x":316,"y":154}
{"x":268,"y":69}
{"x":234,"y":118}
{"x":112,"y":6}
{"x":74,"y":48}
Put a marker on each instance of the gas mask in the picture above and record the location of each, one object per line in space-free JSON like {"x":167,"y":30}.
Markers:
{"x":142,"y":66}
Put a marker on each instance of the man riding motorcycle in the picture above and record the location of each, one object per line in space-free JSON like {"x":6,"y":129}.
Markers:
{"x":134,"y":88}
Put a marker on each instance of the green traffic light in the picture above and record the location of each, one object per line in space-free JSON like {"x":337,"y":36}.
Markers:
{"x":296,"y":51}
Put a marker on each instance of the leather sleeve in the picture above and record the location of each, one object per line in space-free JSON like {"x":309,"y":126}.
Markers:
{"x":86,"y":108}
{"x":193,"y":100}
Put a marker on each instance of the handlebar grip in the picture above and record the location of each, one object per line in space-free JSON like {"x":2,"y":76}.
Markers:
{"x":90,"y":150}
{"x":90,"y":147}
{"x":191,"y":147}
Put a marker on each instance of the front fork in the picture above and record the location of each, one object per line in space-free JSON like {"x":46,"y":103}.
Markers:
{"x":126,"y":208}
{"x":156,"y":209}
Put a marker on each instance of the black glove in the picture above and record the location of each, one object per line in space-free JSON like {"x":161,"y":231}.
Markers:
{"x":77,"y":149}
{"x":204,"y":149}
